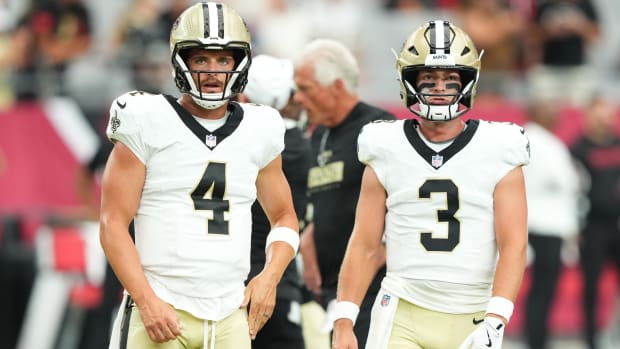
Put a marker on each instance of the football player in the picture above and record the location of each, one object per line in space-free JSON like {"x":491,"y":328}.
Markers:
{"x":187,"y":170}
{"x":447,"y":198}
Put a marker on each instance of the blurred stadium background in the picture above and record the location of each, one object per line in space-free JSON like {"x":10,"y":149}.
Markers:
{"x":53,"y":108}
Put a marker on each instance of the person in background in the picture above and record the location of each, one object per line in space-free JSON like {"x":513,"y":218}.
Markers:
{"x":51,"y":36}
{"x":270,"y":82}
{"x":552,"y":187}
{"x":496,"y":27}
{"x":98,"y":321}
{"x":598,"y":152}
{"x":327,"y":76}
{"x":187,"y":171}
{"x":139,"y":43}
{"x":446,"y":199}
{"x":88,"y":179}
{"x":560,"y":35}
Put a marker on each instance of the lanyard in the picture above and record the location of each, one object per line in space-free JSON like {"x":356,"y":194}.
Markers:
{"x":321,"y":159}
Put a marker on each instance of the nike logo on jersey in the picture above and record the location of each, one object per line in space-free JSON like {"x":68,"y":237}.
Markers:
{"x":121,"y":105}
{"x":476,"y":322}
{"x":489,"y":337}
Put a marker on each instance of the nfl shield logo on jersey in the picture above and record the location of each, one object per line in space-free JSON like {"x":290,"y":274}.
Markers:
{"x":385,"y":300}
{"x":437,"y":160}
{"x":211,"y":141}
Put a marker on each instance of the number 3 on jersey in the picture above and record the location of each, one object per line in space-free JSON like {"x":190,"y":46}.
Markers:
{"x":448,"y":244}
{"x":213,"y":182}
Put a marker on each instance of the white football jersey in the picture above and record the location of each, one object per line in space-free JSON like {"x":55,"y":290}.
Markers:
{"x":439,"y":229}
{"x":193,"y":224}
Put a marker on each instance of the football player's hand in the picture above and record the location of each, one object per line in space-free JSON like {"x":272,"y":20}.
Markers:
{"x":312,"y":275}
{"x":489,"y":335}
{"x":160,"y":320}
{"x":344,"y":337}
{"x":260,"y":294}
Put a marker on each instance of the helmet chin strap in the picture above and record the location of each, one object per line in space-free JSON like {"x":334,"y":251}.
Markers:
{"x":209,"y":104}
{"x":439,"y":112}
{"x":212,"y":100}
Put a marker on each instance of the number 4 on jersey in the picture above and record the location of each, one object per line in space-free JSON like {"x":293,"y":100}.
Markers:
{"x":213,"y":182}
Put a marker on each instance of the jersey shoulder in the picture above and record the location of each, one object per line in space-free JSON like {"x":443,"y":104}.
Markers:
{"x":376,"y":137}
{"x":265,"y":126}
{"x":131,"y":111}
{"x":381,"y":128}
{"x":135,"y":101}
{"x":508,"y":139}
{"x":263,"y":118}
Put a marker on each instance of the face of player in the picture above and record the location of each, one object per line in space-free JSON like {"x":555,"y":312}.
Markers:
{"x":319,"y":101}
{"x":205,"y":65}
{"x":440,"y":86}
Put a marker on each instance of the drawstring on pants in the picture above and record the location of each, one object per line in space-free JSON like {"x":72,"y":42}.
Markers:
{"x":206,"y":334}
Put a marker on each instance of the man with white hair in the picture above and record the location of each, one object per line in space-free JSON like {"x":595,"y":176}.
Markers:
{"x":327,"y":76}
{"x":270,"y":82}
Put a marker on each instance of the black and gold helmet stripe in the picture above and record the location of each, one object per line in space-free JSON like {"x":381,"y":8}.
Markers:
{"x":213,"y":14}
{"x":439,"y":34}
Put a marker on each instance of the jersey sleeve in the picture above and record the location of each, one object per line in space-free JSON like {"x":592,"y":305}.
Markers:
{"x":373,"y":144}
{"x":275,"y":130}
{"x":518,"y":152}
{"x":365,"y":153}
{"x":124,"y":125}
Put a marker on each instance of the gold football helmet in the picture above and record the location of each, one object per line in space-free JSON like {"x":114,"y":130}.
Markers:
{"x":438,"y":45}
{"x":212,"y":26}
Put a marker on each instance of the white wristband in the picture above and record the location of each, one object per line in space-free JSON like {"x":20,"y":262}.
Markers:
{"x":284,"y":234}
{"x":500,"y":306}
{"x":346,"y":310}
